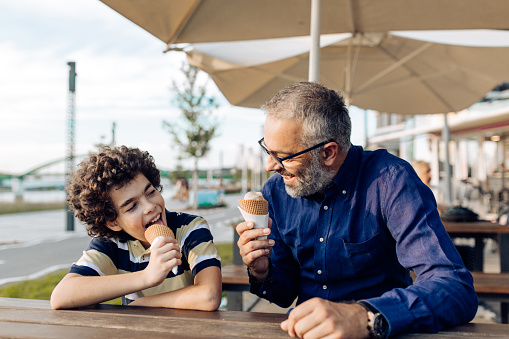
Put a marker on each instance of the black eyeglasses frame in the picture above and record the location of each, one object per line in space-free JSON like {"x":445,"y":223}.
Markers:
{"x":280,"y":160}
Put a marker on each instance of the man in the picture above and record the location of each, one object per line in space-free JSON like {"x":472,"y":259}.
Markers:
{"x":423,"y":171}
{"x":347,"y":228}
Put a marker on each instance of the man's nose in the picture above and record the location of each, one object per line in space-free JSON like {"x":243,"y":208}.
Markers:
{"x":272,"y":165}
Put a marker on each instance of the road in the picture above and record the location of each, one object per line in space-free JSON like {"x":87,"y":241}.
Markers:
{"x":36,"y":243}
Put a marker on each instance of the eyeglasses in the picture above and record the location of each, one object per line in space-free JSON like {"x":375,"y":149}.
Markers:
{"x":280,"y":160}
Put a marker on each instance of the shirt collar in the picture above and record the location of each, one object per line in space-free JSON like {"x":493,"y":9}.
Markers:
{"x":345,"y":177}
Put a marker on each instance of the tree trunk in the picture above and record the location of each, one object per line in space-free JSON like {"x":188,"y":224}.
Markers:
{"x":195,"y":184}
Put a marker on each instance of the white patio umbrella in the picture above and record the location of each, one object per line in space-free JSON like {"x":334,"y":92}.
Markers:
{"x":387,"y":72}
{"x":192,"y":21}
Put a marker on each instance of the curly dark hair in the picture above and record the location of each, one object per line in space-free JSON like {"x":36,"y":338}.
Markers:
{"x":90,"y":185}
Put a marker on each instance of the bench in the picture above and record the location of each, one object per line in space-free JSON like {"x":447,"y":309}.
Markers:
{"x":235,"y":278}
{"x":235,"y":281}
{"x":495,"y":287}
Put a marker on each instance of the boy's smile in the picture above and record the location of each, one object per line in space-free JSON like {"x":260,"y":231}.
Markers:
{"x":139,"y":205}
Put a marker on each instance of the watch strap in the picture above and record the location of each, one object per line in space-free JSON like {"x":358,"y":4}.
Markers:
{"x":377,"y":325}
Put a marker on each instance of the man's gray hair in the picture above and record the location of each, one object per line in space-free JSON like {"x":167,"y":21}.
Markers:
{"x":322,"y":111}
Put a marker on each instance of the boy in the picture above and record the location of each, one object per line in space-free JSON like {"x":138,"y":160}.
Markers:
{"x":116,"y":193}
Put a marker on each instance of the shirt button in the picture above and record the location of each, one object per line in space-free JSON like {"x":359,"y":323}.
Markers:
{"x":324,"y":287}
{"x":319,"y":271}
{"x":326,"y":207}
{"x":321,"y":239}
{"x":264,"y":292}
{"x":344,"y":192}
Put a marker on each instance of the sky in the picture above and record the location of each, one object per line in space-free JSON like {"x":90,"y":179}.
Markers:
{"x":123,"y":77}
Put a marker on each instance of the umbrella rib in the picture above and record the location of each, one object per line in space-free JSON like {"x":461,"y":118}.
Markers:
{"x":353,"y":30}
{"x":279,"y":75}
{"x":351,"y":67}
{"x":395,"y":65}
{"x":429,"y":87}
{"x":400,"y":82}
{"x":183,"y":23}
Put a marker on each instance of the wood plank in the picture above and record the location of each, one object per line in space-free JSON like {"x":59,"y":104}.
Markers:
{"x":481,"y":227}
{"x":24,"y":303}
{"x":216,"y":326}
{"x":491,"y":282}
{"x":235,"y":274}
{"x":251,"y":317}
{"x":34,"y":330}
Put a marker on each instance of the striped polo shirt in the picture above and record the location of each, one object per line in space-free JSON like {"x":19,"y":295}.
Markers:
{"x":126,"y":254}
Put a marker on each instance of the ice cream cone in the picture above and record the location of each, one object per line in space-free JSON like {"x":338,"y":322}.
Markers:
{"x":255,"y":206}
{"x":157,"y":230}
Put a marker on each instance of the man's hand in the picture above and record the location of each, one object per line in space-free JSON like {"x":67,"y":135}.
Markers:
{"x":255,"y":253}
{"x":319,"y":318}
{"x":164,"y":255}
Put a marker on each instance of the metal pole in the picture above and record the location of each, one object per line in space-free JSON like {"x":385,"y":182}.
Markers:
{"x":71,"y":119}
{"x":314,"y":53}
{"x":447,"y":167}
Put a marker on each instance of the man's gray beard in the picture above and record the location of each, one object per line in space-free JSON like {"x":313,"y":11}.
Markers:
{"x":313,"y":179}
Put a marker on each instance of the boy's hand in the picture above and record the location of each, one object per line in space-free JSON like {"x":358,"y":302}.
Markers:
{"x":164,"y":255}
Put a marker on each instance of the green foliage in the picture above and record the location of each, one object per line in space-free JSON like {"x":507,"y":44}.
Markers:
{"x":225,"y":251}
{"x":196,"y":128}
{"x":23,"y":206}
{"x":40,"y":288}
{"x":179,"y":172}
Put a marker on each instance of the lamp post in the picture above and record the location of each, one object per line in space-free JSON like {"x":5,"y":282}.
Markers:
{"x":71,"y":118}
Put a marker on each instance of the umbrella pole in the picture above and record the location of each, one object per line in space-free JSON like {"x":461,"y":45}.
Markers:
{"x":314,"y":53}
{"x":447,"y":136}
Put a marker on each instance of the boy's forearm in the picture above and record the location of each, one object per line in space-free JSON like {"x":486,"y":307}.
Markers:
{"x":194,"y":297}
{"x":78,"y":291}
{"x":204,"y":295}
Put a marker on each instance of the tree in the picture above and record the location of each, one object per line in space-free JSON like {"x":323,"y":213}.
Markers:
{"x":196,"y":128}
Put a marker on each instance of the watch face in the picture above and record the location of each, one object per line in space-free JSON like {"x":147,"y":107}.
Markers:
{"x":380,"y":326}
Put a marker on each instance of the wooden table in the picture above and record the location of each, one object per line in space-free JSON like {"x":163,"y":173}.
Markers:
{"x":480,"y":230}
{"x":35,"y":319}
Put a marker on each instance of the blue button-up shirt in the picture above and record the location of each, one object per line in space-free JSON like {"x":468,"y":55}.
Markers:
{"x":375,"y":223}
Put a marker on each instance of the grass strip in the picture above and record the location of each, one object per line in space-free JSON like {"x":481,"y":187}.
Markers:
{"x":25,"y":206}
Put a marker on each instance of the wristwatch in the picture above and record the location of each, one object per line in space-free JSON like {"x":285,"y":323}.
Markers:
{"x":377,"y":324}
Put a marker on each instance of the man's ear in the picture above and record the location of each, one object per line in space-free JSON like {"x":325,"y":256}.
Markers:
{"x":329,"y":153}
{"x":112,"y":225}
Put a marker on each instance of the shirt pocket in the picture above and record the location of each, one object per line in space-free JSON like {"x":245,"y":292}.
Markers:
{"x":362,"y":259}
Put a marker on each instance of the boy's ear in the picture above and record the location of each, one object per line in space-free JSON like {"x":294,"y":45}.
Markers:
{"x":112,"y":225}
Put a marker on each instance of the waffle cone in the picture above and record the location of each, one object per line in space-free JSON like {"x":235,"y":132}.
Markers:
{"x":254,"y":206}
{"x":157,"y":230}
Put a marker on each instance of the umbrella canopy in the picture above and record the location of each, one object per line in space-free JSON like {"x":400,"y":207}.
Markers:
{"x":387,"y":72}
{"x":191,"y":21}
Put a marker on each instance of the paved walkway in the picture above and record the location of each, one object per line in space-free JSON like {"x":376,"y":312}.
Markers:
{"x":35,"y":227}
